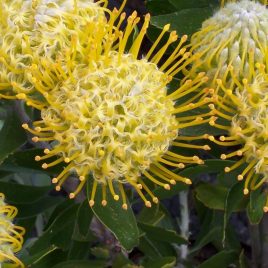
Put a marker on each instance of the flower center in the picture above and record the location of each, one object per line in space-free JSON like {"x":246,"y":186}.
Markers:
{"x":111,"y":124}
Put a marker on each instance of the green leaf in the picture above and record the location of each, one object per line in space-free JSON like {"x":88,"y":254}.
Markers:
{"x":122,"y":223}
{"x":161,"y":234}
{"x":23,"y":161}
{"x":161,"y":193}
{"x":230,"y":178}
{"x":151,"y":215}
{"x":203,"y":128}
{"x":193,"y":172}
{"x":59,"y":232}
{"x":121,"y":261}
{"x":82,"y":230}
{"x":12,"y":135}
{"x":84,"y":217}
{"x":28,"y":224}
{"x":37,"y":207}
{"x":38,"y":259}
{"x":206,"y":238}
{"x":148,"y":248}
{"x":212,"y":196}
{"x":210,"y":166}
{"x":255,"y":206}
{"x":162,"y":249}
{"x":222,"y":259}
{"x":182,"y":4}
{"x":222,"y":198}
{"x":166,"y":262}
{"x":235,"y":201}
{"x":153,"y":248}
{"x":80,"y":264}
{"x":19,"y":193}
{"x":78,"y":250}
{"x":100,"y":253}
{"x":180,"y":20}
{"x":159,"y":7}
{"x":57,"y":211}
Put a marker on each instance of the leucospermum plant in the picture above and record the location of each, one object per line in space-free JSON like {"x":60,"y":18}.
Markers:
{"x":11,"y":236}
{"x":105,"y":108}
{"x":120,"y":117}
{"x":233,"y":46}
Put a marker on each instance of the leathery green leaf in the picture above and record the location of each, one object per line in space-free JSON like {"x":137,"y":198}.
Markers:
{"x":120,"y":222}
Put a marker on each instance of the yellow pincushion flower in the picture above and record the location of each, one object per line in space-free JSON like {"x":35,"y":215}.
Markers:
{"x":107,"y":111}
{"x":246,"y":110}
{"x":232,"y":41}
{"x":20,"y":38}
{"x":11,"y":236}
{"x":233,"y":49}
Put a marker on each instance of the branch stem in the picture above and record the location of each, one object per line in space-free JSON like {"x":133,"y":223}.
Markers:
{"x":182,"y":251}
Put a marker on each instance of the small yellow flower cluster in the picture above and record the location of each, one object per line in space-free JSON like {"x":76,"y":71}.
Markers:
{"x":105,"y":108}
{"x":233,"y":49}
{"x":11,"y":236}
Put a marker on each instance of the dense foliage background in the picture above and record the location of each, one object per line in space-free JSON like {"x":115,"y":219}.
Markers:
{"x":211,"y":224}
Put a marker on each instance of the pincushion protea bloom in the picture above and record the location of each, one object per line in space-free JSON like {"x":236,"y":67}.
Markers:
{"x":233,"y":49}
{"x":107,"y":112}
{"x":19,"y":37}
{"x":232,"y":42}
{"x":246,"y":110}
{"x":11,"y":236}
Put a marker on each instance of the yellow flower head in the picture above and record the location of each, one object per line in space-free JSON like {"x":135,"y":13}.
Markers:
{"x":11,"y":236}
{"x":233,"y":50}
{"x":245,"y":108}
{"x":233,"y":41}
{"x":21,"y":39}
{"x":107,"y":107}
